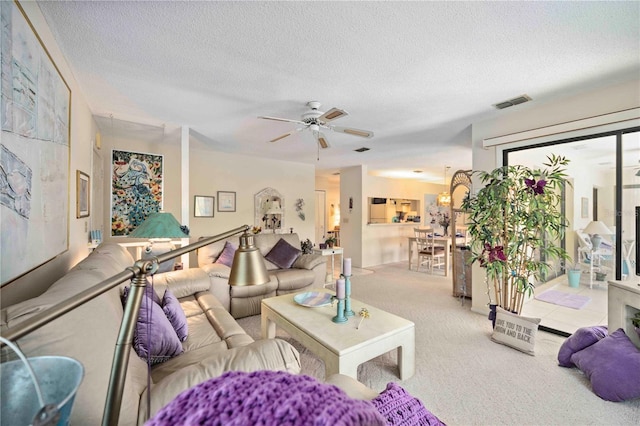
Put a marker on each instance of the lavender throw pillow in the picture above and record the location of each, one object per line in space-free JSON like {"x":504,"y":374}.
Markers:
{"x":613,"y":366}
{"x":175,"y":314}
{"x":582,"y":338}
{"x":226,"y":257}
{"x":154,"y":336}
{"x":148,"y":290}
{"x":283,"y":254}
{"x":398,"y":407}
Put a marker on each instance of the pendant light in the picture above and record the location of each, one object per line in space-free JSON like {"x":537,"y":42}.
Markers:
{"x":444,"y":198}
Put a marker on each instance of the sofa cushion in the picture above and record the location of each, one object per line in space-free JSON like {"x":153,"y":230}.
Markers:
{"x":583,"y":337}
{"x":175,"y":315}
{"x":613,"y":366}
{"x":228,"y":252}
{"x":308,"y":261}
{"x":154,"y":337}
{"x":293,"y":279}
{"x":283,"y":254}
{"x":268,"y":354}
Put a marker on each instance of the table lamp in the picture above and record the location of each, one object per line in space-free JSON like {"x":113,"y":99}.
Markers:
{"x":159,"y":228}
{"x":596,"y":229}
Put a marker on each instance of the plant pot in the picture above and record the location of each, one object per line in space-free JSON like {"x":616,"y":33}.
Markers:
{"x":574,"y":278}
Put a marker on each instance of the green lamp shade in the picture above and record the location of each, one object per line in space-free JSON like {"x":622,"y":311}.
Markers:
{"x":248,"y":266}
{"x":159,"y":225}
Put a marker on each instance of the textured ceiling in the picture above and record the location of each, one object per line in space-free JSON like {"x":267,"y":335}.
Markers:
{"x":416,"y":73}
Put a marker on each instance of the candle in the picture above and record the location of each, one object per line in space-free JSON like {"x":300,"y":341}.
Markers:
{"x":346,"y":267}
{"x":340,"y":288}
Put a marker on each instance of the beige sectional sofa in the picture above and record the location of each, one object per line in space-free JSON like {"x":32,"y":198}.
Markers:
{"x":308,"y":271}
{"x":215,"y":343}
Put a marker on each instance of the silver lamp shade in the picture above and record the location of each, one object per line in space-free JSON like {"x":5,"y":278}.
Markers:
{"x":248,"y":266}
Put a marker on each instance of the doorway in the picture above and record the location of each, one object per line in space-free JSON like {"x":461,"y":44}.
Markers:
{"x":321,"y":215}
{"x":598,"y":165}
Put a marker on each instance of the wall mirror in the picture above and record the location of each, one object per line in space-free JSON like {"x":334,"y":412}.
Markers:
{"x":269,"y":210}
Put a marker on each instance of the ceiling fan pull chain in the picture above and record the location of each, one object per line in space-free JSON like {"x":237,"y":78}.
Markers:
{"x":318,"y":148}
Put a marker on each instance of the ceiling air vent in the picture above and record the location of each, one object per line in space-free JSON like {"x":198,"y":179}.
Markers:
{"x":363,"y":149}
{"x":511,"y":102}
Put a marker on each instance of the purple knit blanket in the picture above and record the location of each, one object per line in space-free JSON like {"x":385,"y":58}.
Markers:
{"x":266,"y":398}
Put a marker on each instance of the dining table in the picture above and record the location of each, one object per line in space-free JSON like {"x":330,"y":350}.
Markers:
{"x":443,"y":240}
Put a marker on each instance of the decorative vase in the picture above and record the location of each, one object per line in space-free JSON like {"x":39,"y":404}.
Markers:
{"x":573,"y":276}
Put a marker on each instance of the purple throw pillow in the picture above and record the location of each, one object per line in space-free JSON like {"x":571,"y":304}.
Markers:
{"x":582,"y":338}
{"x":613,"y":366}
{"x":154,"y":335}
{"x":175,"y":314}
{"x":283,"y":254}
{"x":226,"y":257}
{"x":398,"y":407}
{"x":148,"y":290}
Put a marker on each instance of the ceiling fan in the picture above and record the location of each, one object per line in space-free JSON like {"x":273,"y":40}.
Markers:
{"x":314,"y":120}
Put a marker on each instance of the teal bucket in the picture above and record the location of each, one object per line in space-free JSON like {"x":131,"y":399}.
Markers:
{"x":58,"y":379}
{"x":574,"y":278}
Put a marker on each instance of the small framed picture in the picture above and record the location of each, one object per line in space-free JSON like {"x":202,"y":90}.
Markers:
{"x":584,"y":207}
{"x":226,"y":201}
{"x":82,"y":194}
{"x":203,"y":206}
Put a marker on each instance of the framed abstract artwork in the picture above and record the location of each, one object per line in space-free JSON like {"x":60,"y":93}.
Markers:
{"x":82,"y":194}
{"x":226,"y":201}
{"x":203,"y":206}
{"x":35,"y":149}
{"x":136,"y":189}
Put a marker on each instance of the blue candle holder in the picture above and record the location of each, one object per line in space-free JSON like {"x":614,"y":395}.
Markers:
{"x":347,"y":296}
{"x":340,"y":318}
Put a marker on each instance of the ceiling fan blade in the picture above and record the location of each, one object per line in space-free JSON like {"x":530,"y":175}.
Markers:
{"x":282,"y":119}
{"x":287,"y":134}
{"x":352,"y":131}
{"x":322,"y":141}
{"x":281,"y":137}
{"x":332,"y":114}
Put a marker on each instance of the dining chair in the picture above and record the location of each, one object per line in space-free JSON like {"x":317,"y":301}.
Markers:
{"x":429,"y":253}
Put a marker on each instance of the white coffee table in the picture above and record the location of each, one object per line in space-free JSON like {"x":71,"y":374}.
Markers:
{"x":342,"y":347}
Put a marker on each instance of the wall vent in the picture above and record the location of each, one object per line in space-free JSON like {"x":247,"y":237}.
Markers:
{"x":511,"y":102}
{"x":363,"y":149}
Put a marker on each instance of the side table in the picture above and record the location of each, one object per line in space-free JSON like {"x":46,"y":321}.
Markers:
{"x":331,"y":252}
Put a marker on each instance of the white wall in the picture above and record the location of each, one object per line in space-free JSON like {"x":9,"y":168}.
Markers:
{"x":83,"y":130}
{"x":528,"y":116}
{"x":212,"y":171}
{"x":370,"y":245}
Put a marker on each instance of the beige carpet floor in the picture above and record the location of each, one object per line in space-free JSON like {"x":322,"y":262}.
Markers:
{"x":461,"y":375}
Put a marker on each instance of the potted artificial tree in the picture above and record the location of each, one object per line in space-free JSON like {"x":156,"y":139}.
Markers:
{"x":512,"y":221}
